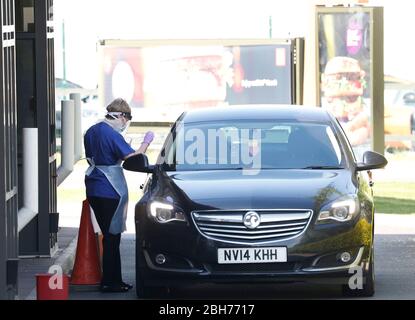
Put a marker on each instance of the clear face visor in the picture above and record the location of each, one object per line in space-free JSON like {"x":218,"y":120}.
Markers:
{"x":116,"y":115}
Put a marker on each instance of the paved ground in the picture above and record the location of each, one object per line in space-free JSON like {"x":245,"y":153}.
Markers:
{"x":395,"y":273}
{"x":394,"y":244}
{"x":30,"y":267}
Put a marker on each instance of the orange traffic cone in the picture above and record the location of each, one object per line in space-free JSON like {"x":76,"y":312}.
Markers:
{"x":87,"y":270}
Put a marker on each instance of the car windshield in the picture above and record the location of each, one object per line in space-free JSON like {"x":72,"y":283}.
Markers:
{"x":248,"y":144}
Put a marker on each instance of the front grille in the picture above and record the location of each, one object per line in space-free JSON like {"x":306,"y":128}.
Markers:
{"x":228,"y":226}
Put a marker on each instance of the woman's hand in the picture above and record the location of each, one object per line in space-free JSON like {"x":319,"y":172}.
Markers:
{"x":149,"y":137}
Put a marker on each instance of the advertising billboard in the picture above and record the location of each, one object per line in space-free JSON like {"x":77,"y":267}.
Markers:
{"x":261,"y":75}
{"x":346,"y":72}
{"x":167,"y":79}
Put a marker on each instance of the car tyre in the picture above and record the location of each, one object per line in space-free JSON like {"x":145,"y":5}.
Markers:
{"x":143,"y":291}
{"x":368,"y":289}
{"x":148,"y":292}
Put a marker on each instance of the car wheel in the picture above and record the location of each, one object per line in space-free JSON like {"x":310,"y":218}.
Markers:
{"x":143,"y":291}
{"x":368,"y":289}
{"x":146,"y":292}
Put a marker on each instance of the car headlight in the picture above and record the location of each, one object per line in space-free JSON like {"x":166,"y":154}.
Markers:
{"x":166,"y":212}
{"x":343,"y":209}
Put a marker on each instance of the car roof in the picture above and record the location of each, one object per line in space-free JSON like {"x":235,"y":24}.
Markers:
{"x":257,"y":112}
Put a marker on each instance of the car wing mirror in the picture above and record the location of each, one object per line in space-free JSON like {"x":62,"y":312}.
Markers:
{"x":138,"y":163}
{"x":372,"y":160}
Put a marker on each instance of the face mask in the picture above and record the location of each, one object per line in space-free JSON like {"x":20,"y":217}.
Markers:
{"x":124,"y":128}
{"x":117,"y":124}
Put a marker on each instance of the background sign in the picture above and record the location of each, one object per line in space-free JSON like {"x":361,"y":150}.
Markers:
{"x":165,"y":80}
{"x":345,"y":82}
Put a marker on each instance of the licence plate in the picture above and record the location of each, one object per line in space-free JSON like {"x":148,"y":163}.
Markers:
{"x":252,"y":255}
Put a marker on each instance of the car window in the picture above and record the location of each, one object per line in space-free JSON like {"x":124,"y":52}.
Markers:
{"x":246,"y":144}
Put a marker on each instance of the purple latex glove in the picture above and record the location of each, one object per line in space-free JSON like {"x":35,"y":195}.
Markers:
{"x":148,"y":138}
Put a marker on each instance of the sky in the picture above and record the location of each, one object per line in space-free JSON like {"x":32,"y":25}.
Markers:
{"x":213,"y":19}
{"x":156,"y":19}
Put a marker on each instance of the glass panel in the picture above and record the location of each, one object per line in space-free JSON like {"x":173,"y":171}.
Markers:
{"x":345,"y":73}
{"x":50,"y":10}
{"x":260,"y":145}
{"x":25,"y":16}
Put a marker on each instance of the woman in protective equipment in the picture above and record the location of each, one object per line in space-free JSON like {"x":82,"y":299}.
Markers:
{"x":106,"y":187}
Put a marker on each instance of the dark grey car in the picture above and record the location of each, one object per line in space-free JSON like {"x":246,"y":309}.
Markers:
{"x":301,"y":209}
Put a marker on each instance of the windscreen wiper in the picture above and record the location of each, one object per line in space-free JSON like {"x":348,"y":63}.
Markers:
{"x":230,"y":168}
{"x":322,"y":168}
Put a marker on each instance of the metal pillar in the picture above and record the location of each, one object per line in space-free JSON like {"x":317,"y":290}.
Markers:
{"x":67,"y":162}
{"x":30,"y":170}
{"x":45,"y":95}
{"x":76,"y":97}
{"x":36,"y":101}
{"x":8,"y":151}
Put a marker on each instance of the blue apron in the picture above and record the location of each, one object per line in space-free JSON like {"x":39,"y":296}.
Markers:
{"x":115,"y":176}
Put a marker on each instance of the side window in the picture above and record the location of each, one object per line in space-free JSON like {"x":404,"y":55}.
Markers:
{"x":169,"y":158}
{"x":167,"y":152}
{"x":348,"y":146}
